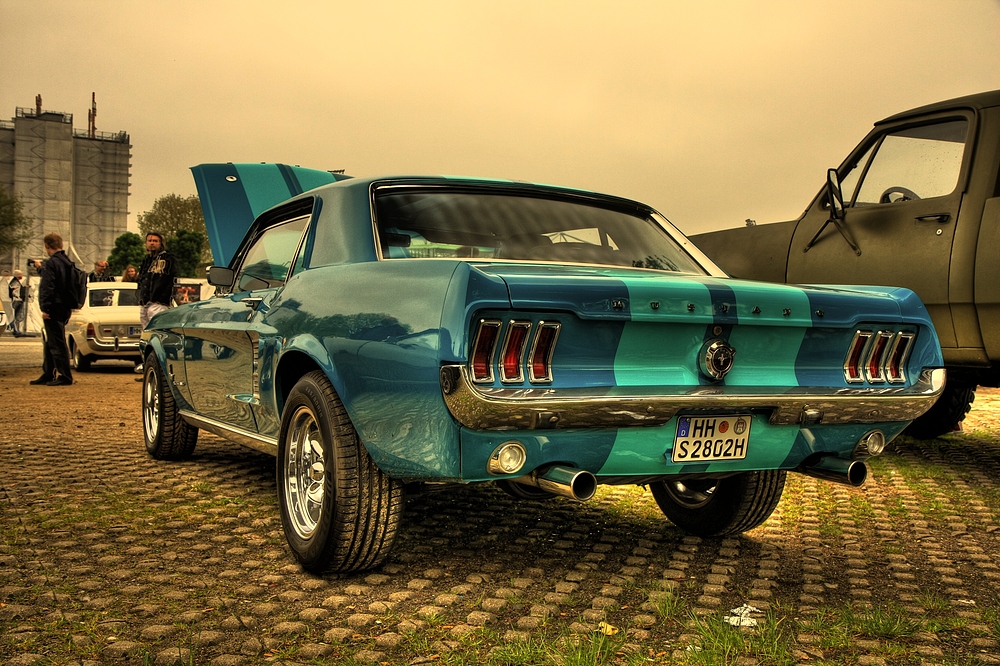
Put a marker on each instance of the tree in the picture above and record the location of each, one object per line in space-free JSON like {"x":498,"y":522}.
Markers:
{"x":15,"y":226}
{"x":186,"y":246}
{"x":130,"y":249}
{"x":172,"y":213}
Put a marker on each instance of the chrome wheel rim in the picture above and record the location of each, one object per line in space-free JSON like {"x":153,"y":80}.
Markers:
{"x":151,"y":405}
{"x":305,"y":472}
{"x":691,"y":494}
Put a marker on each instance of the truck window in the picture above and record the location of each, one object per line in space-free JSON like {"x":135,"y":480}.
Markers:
{"x":918,"y":162}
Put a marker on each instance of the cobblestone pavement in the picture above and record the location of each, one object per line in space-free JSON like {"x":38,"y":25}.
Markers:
{"x":108,"y":556}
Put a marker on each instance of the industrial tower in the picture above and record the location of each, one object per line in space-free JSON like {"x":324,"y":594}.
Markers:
{"x":70,"y":181}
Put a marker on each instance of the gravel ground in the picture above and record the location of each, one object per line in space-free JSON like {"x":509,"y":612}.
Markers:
{"x":108,"y":556}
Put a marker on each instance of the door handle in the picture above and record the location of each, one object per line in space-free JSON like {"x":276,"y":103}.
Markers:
{"x":940,"y":218}
{"x":251,"y":302}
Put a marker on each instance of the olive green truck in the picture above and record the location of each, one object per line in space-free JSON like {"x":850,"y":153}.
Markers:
{"x":916,"y":205}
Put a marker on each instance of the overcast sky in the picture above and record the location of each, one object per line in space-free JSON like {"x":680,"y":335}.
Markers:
{"x":712,"y":112}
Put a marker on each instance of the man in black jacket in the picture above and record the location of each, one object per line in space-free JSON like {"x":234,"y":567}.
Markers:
{"x":156,"y":278}
{"x":54,"y":302}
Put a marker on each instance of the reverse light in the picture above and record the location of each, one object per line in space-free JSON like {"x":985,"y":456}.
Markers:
{"x":508,"y":458}
{"x":871,"y":444}
{"x":484,"y":349}
{"x":542,"y":348}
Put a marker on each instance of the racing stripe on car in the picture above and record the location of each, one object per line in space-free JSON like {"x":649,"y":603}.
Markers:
{"x":651,"y":353}
{"x":772,"y":323}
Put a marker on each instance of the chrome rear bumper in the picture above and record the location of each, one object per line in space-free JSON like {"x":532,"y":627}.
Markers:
{"x":621,"y":407}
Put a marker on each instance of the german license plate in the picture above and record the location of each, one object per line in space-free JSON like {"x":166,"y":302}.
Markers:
{"x":134,"y":331}
{"x":711,"y":438}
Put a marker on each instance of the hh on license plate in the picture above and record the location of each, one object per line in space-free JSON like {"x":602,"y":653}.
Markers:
{"x":708,"y":438}
{"x":134,"y":330}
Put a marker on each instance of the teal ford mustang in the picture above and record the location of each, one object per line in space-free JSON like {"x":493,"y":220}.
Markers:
{"x":375,"y":333}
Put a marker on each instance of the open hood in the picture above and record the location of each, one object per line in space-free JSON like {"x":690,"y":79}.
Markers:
{"x":233,"y":195}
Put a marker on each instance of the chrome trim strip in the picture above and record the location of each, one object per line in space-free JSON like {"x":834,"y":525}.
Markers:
{"x":547,"y":378}
{"x":482,"y":408}
{"x":251,"y":440}
{"x":98,"y":346}
{"x":519,"y":377}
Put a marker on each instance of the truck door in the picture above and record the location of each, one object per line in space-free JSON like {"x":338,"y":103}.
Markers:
{"x":902,"y":189}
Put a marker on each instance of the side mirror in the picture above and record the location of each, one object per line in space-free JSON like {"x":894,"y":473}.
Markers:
{"x":835,"y":193}
{"x":220,"y":276}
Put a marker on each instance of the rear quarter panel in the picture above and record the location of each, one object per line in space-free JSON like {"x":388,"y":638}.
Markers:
{"x":380,"y":331}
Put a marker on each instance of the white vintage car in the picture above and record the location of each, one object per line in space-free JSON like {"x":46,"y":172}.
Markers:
{"x":107,"y":326}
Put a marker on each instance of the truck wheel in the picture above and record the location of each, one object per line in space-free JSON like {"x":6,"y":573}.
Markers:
{"x":719,"y":507}
{"x":949,"y":410}
{"x":167,"y":435}
{"x":80,"y":362}
{"x":339,"y":511}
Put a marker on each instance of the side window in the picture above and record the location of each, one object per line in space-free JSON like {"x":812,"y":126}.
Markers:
{"x":915,"y":163}
{"x":268,"y":260}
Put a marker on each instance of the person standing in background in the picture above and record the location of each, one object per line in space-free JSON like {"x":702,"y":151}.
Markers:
{"x":17,"y":289}
{"x":55,"y":304}
{"x":101,"y":272}
{"x":156,"y":281}
{"x":156,"y":278}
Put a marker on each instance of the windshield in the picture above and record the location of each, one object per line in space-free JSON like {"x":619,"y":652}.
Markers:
{"x":448,"y":223}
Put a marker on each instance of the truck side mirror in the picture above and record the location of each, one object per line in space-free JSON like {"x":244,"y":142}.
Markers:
{"x":835,"y":194}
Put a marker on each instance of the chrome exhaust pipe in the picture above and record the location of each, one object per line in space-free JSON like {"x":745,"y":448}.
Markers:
{"x":838,"y":470}
{"x":576,"y":484}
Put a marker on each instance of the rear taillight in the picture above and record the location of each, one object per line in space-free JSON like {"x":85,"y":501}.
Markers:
{"x":514,"y":352}
{"x":899,"y":353}
{"x":875,"y":361}
{"x":484,"y":349}
{"x":512,"y":356}
{"x":877,"y":357}
{"x":91,"y":332}
{"x":852,"y":366}
{"x":540,"y":362}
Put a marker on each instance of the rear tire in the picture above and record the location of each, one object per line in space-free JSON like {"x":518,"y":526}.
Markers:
{"x":720,"y":507}
{"x":340,"y":512}
{"x":80,"y":362}
{"x":167,"y":435}
{"x":945,"y":415}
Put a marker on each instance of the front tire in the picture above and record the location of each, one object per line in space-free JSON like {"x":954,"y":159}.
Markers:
{"x":720,"y":507}
{"x":340,"y":512}
{"x":167,"y":435}
{"x":945,"y":414}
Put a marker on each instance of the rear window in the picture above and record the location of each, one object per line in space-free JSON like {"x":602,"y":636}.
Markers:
{"x":100,"y":298}
{"x":445,"y":223}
